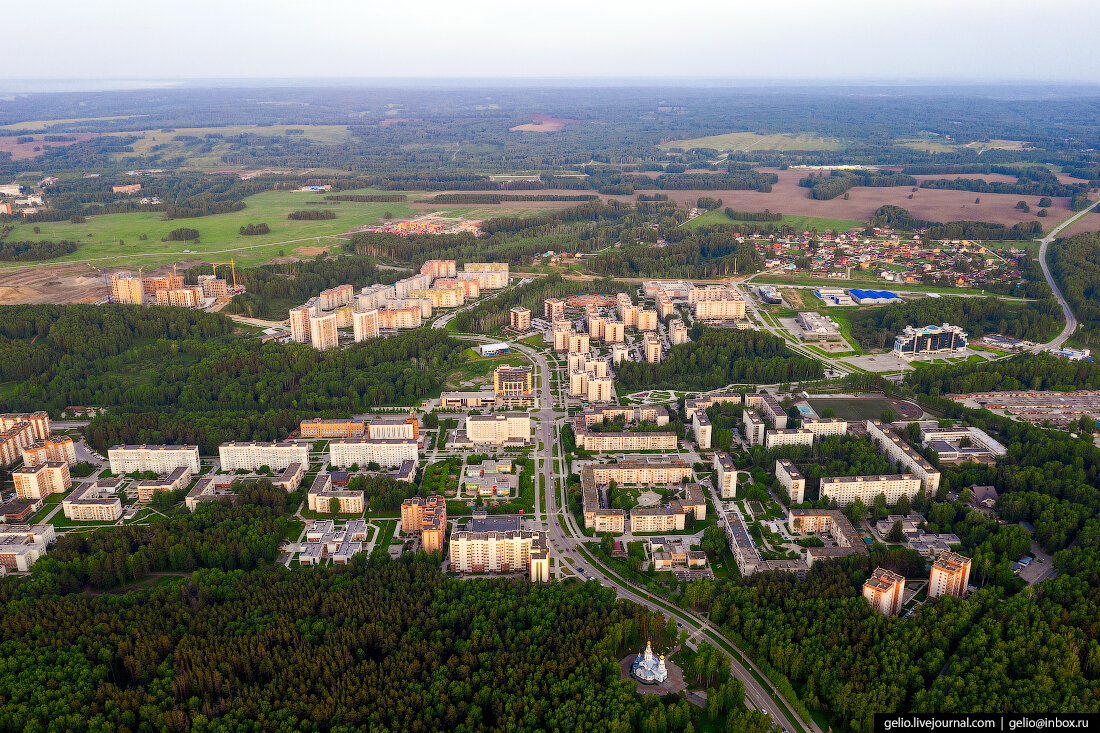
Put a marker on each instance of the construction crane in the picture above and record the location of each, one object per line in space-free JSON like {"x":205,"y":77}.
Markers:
{"x":232,"y":268}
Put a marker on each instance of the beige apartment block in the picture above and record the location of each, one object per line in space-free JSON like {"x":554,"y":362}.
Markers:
{"x":519,"y":318}
{"x":41,"y":480}
{"x":252,"y":455}
{"x":884,"y":590}
{"x":364,"y":324}
{"x":791,"y":479}
{"x":846,"y":489}
{"x":54,"y":448}
{"x":949,"y":576}
{"x":726,"y":475}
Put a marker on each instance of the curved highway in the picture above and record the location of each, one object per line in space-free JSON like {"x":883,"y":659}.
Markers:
{"x":1071,"y":320}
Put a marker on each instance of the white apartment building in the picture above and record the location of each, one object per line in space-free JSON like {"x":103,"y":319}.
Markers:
{"x":753,"y":427}
{"x":364,"y":324}
{"x":787,"y":437}
{"x":498,"y":428}
{"x":791,"y":479}
{"x":251,"y":456}
{"x":619,"y":354}
{"x":580,"y":342}
{"x":94,"y":501}
{"x":721,"y":310}
{"x":393,"y":319}
{"x":41,"y":480}
{"x":501,"y":552}
{"x":55,"y":448}
{"x":884,"y":590}
{"x":601,"y":389}
{"x":677,"y":331}
{"x":846,"y":489}
{"x":323,"y":331}
{"x":702,"y":429}
{"x":345,"y":452}
{"x":155,"y":458}
{"x":651,"y":344}
{"x":725,"y":475}
{"x":949,"y":576}
{"x":903,"y":454}
{"x":821,"y":427}
{"x":403,"y":288}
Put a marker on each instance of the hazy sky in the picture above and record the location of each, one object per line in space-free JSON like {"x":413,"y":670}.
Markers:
{"x":792,"y":39}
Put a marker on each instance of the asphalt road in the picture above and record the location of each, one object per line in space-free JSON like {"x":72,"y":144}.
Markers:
{"x":1071,"y":321}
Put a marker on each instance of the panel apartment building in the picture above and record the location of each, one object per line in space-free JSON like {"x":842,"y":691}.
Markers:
{"x":949,"y":576}
{"x":155,"y":458}
{"x":884,"y":590}
{"x":252,"y":455}
{"x":725,"y":474}
{"x":483,"y":549}
{"x":426,"y":516}
{"x":41,"y":480}
{"x":94,"y":501}
{"x":321,"y":494}
{"x":900,"y":452}
{"x":55,"y":448}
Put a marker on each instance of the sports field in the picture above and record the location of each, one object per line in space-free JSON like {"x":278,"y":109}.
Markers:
{"x":742,"y":141}
{"x":865,"y":408}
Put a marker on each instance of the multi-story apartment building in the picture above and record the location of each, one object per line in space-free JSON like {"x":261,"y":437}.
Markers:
{"x":769,"y":408}
{"x":18,"y":551}
{"x":321,"y":494}
{"x":900,"y":452}
{"x":647,"y":320}
{"x":578,"y":383}
{"x":651,"y":345}
{"x":491,"y":275}
{"x":213,"y":286}
{"x":788,"y":437}
{"x":252,"y":455}
{"x":176,"y":480}
{"x":553,"y":309}
{"x":791,"y":479}
{"x":41,"y":480}
{"x":677,"y":332}
{"x":499,"y":428}
{"x":712,"y":292}
{"x":291,"y":478}
{"x":725,"y":475}
{"x":333,"y":298}
{"x":613,"y":331}
{"x":299,"y":320}
{"x":600,"y":389}
{"x":448,"y":297}
{"x":38,"y":422}
{"x":403,"y":288}
{"x":426,"y":516}
{"x":579,"y":342}
{"x":155,"y":458}
{"x":54,"y":448}
{"x":833,"y":522}
{"x":949,"y":576}
{"x":753,"y":427}
{"x":323,"y":331}
{"x":207,"y":488}
{"x":495,"y":551}
{"x":13,"y":441}
{"x":655,"y":519}
{"x":185,"y":297}
{"x":929,"y":340}
{"x":665,"y":306}
{"x":94,"y":501}
{"x":364,"y":324}
{"x":375,"y":296}
{"x":846,"y":489}
{"x":731,"y":308}
{"x":319,"y":427}
{"x":470,"y":288}
{"x":513,"y":384}
{"x":619,"y":353}
{"x":393,"y":319}
{"x":406,"y":427}
{"x":345,"y":452}
{"x":438,"y":268}
{"x":821,"y":427}
{"x":562,"y":333}
{"x":126,"y":289}
{"x":702,"y":429}
{"x":519,"y":318}
{"x":884,"y":590}
{"x":702,"y":403}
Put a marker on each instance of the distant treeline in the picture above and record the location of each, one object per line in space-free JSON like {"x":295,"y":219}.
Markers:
{"x":838,"y":182}
{"x":764,"y":215}
{"x":496,"y":198}
{"x":311,"y":215}
{"x":896,"y":217}
{"x":32,"y":251}
{"x":1075,"y":264}
{"x":742,"y":181}
{"x":368,"y":198}
{"x":1022,"y":187}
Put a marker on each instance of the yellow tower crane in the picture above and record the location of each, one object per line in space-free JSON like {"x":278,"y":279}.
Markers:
{"x":232,"y":269}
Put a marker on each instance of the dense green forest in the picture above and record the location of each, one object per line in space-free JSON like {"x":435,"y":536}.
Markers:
{"x":32,"y":251}
{"x":1075,"y":264}
{"x":168,"y":372}
{"x":705,"y":254}
{"x":896,"y":217}
{"x":838,"y":182}
{"x":1034,"y":321}
{"x":1031,"y":372}
{"x":717,"y":357}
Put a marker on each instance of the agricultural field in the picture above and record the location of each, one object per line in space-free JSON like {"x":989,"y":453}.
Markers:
{"x":800,"y":223}
{"x":742,"y":141}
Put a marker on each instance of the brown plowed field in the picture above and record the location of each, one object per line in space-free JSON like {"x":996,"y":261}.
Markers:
{"x":24,"y":151}
{"x":1090,"y":222}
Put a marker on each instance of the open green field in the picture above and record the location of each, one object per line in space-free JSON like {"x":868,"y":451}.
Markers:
{"x":853,"y":409}
{"x":115,"y":239}
{"x":742,"y":141}
{"x":801,"y":223}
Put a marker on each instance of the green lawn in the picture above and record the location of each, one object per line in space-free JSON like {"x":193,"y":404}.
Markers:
{"x":801,"y":223}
